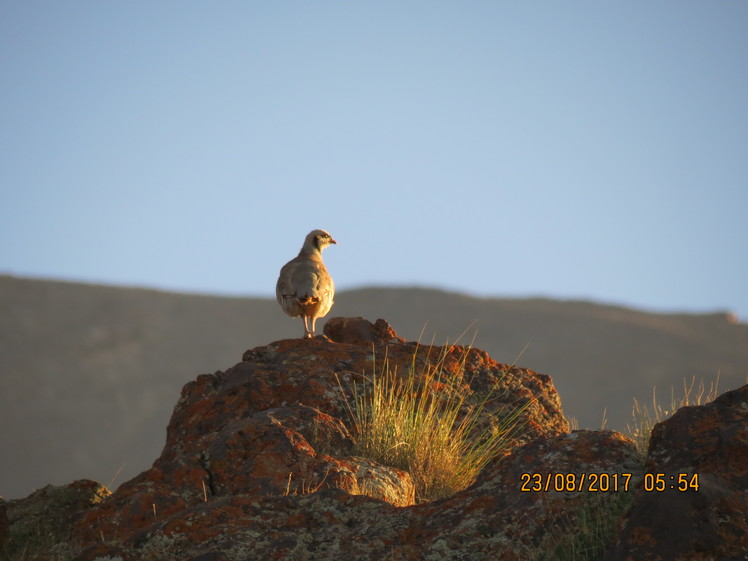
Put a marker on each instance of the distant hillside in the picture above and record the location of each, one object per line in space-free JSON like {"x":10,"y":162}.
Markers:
{"x":89,"y":374}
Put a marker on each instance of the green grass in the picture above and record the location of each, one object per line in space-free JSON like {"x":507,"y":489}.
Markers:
{"x":586,"y":532}
{"x":427,"y":422}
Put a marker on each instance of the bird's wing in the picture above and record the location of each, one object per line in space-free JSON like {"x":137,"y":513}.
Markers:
{"x":284,"y":287}
{"x":300,"y":278}
{"x":311,"y":279}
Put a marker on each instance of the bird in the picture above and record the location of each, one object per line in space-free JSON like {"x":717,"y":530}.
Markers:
{"x":304,"y":287}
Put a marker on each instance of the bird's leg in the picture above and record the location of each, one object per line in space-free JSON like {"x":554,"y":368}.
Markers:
{"x":307,"y":333}
{"x":314,"y":324}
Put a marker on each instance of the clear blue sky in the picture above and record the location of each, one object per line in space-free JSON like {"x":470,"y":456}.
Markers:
{"x":577,"y":149}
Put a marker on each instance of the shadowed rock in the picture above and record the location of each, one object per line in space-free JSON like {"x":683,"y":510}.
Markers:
{"x":711,"y":522}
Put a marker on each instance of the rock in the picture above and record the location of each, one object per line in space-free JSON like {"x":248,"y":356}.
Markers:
{"x":274,"y":425}
{"x":493,"y":519}
{"x":708,"y":523}
{"x":4,"y":525}
{"x":504,"y":515}
{"x":40,"y":524}
{"x":358,"y":331}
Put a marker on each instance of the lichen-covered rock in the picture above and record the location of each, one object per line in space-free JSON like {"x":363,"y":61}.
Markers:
{"x":671,"y":518}
{"x":39,"y":526}
{"x":358,"y":331}
{"x":532,"y":500}
{"x":275,"y":425}
{"x":493,"y":519}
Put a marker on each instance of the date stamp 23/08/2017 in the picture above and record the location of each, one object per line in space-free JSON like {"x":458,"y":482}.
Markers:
{"x":607,"y":482}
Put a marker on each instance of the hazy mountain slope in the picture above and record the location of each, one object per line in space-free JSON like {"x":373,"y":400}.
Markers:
{"x":89,"y":374}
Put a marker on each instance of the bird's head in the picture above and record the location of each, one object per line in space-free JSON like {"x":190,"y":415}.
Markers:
{"x":318,"y":239}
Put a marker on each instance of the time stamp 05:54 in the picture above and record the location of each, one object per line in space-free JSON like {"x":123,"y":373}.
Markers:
{"x":607,"y":482}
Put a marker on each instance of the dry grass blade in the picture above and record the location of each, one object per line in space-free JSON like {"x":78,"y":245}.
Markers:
{"x":644,"y":419}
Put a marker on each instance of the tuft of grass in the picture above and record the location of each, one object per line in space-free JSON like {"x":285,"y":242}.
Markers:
{"x":427,"y":423}
{"x":584,"y":535}
{"x":644,"y":420}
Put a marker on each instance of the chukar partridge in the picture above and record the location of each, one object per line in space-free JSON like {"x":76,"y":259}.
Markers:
{"x":304,"y":286}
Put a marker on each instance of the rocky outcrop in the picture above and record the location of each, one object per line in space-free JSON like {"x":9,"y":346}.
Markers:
{"x":259,"y":464}
{"x":694,"y":503}
{"x":273,"y":425}
{"x":39,"y":526}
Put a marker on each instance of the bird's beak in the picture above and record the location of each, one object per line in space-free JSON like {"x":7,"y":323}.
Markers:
{"x":333,"y":241}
